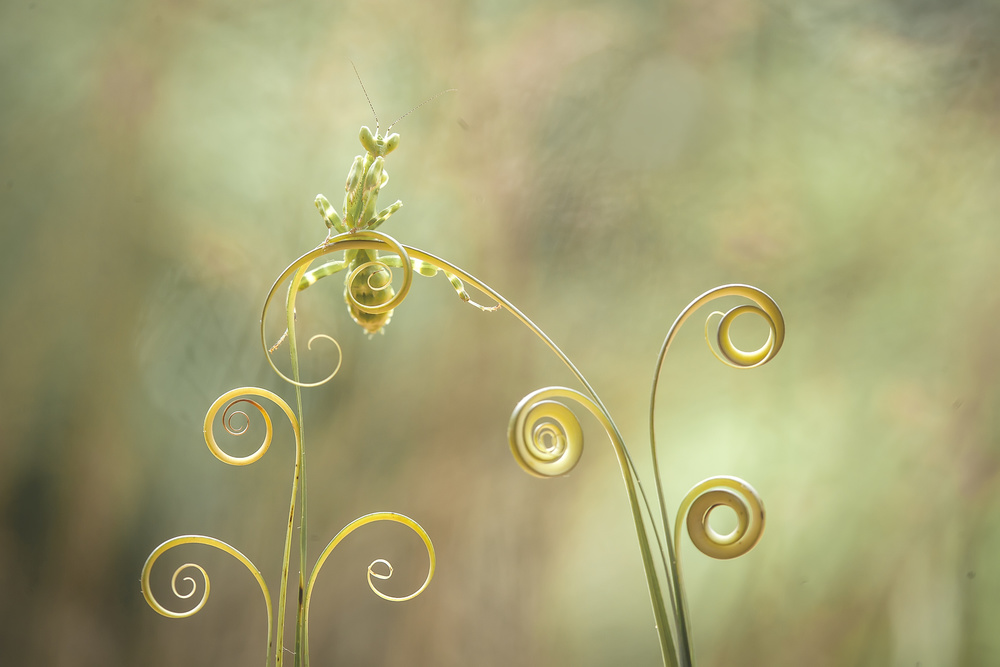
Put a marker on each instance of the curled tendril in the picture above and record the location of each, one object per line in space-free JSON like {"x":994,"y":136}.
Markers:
{"x":545,"y":436}
{"x":763,"y":306}
{"x":227,"y":399}
{"x":728,"y":491}
{"x":340,"y":361}
{"x":370,"y":518}
{"x":227,"y":419}
{"x":710,"y":494}
{"x":361,"y":240}
{"x":382,"y":270}
{"x":379,"y":575}
{"x":193,"y":583}
{"x":546,"y":440}
{"x":350,"y":528}
{"x":394,"y":298}
{"x":147,"y":591}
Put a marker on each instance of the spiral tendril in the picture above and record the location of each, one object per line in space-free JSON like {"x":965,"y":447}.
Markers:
{"x":361,"y":240}
{"x":194,"y":539}
{"x":350,"y":528}
{"x":357,"y":523}
{"x":340,"y":360}
{"x":728,"y":353}
{"x":383,"y":269}
{"x":227,"y":419}
{"x":227,"y":399}
{"x":373,"y":573}
{"x":189,"y":580}
{"x":707,"y":496}
{"x":545,"y":436}
{"x":724,"y":349}
{"x":394,"y":298}
{"x":377,"y":575}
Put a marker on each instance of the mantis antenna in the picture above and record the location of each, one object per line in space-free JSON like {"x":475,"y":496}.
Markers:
{"x":357,"y":74}
{"x":429,"y":99}
{"x":372,"y":106}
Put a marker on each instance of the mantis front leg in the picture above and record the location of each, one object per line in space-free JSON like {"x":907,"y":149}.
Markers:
{"x":390,"y":261}
{"x":429,"y":270}
{"x":308,"y":279}
{"x":323,"y":271}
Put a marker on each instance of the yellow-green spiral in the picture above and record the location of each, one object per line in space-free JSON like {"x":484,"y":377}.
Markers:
{"x":545,"y":436}
{"x":714,"y":492}
{"x":350,"y":528}
{"x":763,"y":306}
{"x":147,"y":568}
{"x":362,"y":240}
{"x":365,"y":520}
{"x":394,"y":248}
{"x":231,"y":399}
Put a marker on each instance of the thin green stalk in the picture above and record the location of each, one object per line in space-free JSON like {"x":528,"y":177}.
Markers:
{"x":286,"y":555}
{"x":663,"y":625}
{"x":669,"y":608}
{"x":680,"y":607}
{"x":301,"y":644}
{"x":300,"y":660}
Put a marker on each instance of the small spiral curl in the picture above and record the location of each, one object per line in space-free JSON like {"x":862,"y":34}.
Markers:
{"x":710,"y":494}
{"x":361,"y":240}
{"x":393,"y":298}
{"x":545,"y":436}
{"x":336,"y":369}
{"x":230,"y":399}
{"x":763,"y":306}
{"x":227,"y":419}
{"x":358,"y":523}
{"x":159,"y":608}
{"x":194,"y":587}
{"x":147,"y":568}
{"x":381,"y":270}
{"x":378,"y":575}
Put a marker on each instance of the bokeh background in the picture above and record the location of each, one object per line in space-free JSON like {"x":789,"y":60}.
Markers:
{"x":601,"y":165}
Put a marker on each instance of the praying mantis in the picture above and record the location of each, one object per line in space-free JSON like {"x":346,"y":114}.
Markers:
{"x":368,"y":277}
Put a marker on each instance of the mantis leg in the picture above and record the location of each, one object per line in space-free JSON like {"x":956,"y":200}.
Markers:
{"x":429,"y":270}
{"x":333,"y":221}
{"x":308,"y":279}
{"x":323,"y":271}
{"x":383,"y":215}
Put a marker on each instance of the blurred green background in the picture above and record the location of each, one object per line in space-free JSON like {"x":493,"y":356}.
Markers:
{"x":602,"y":164}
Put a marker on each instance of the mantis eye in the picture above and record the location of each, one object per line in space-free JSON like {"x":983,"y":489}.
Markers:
{"x":368,"y":140}
{"x":391,"y":142}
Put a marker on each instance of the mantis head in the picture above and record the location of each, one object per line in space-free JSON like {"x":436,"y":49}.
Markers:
{"x":378,"y":145}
